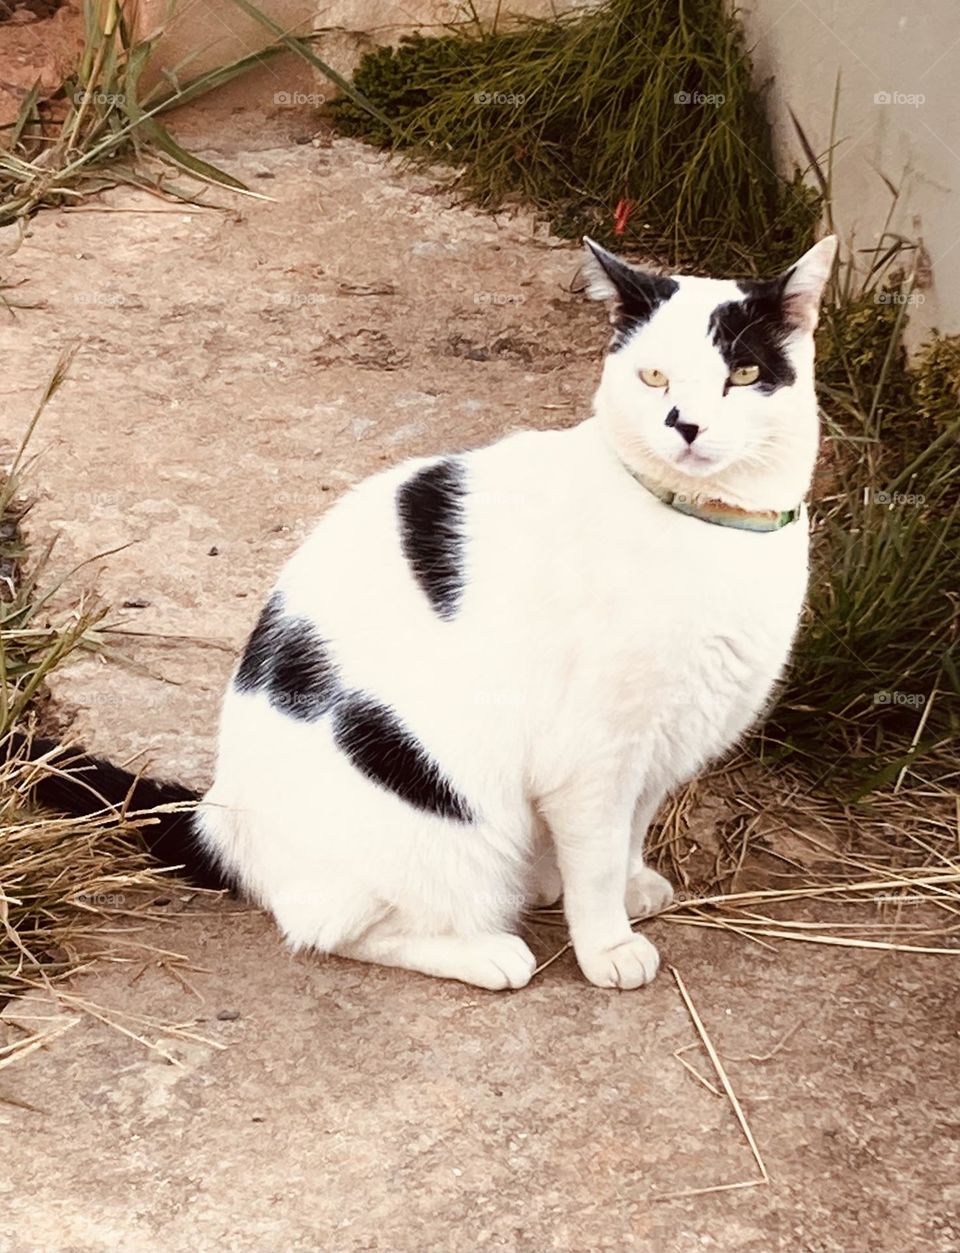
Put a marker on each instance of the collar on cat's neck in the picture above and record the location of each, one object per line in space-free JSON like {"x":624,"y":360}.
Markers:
{"x":718,"y":512}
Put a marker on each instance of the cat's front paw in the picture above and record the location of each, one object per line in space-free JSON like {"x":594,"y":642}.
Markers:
{"x":496,"y":962}
{"x":629,"y":964}
{"x":647,"y":893}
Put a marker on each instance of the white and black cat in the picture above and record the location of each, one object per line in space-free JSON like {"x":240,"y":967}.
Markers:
{"x":480,"y":675}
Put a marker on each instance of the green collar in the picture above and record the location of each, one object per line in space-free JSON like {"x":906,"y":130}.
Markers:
{"x":719,"y":513}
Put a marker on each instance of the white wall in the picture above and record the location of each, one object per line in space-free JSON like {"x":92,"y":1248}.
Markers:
{"x":899,"y":115}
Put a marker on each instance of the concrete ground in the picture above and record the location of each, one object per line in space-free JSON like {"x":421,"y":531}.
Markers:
{"x":235,"y":371}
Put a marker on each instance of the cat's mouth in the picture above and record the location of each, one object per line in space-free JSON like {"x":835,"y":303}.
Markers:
{"x":695,"y":462}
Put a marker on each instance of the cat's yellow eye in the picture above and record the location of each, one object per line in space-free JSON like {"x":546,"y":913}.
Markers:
{"x":744,"y":375}
{"x":654,"y":378}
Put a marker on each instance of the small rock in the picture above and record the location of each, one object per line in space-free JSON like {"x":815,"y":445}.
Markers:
{"x":213,"y":552}
{"x":137,"y":603}
{"x":228,"y":1015}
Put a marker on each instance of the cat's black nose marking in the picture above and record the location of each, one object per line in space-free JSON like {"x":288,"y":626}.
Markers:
{"x":688,"y":430}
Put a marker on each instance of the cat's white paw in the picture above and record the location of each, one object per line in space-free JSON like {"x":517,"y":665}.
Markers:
{"x":630,"y":964}
{"x":496,"y":962}
{"x":647,"y":893}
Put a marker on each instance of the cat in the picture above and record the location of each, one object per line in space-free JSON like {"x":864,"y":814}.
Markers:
{"x":477,"y":679}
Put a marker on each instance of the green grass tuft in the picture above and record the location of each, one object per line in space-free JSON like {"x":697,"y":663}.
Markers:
{"x":580,"y":115}
{"x":873,"y":685}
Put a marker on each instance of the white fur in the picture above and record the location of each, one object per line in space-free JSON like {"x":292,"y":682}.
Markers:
{"x":607,"y":647}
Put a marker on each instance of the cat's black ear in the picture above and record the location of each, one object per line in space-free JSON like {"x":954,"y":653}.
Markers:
{"x":607,"y":275}
{"x":634,"y":294}
{"x":803,"y":285}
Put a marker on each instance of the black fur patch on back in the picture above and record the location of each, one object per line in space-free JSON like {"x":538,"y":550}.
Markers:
{"x":430,"y":505}
{"x":640,"y":296}
{"x":288,"y":660}
{"x":379,"y":746}
{"x":753,"y":331}
{"x":257,"y":659}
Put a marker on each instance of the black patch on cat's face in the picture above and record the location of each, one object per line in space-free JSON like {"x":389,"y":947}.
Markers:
{"x":753,"y":331}
{"x":639,"y":293}
{"x":430,"y":505}
{"x":382,"y":749}
{"x":640,"y":296}
{"x":287,"y":659}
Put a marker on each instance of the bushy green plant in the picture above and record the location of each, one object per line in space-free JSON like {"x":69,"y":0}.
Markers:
{"x":874,"y":681}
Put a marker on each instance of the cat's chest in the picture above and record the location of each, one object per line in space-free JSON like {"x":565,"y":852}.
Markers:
{"x":706,"y":583}
{"x":706,"y":631}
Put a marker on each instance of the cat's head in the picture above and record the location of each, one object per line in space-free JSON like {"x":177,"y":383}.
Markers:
{"x":708,"y":383}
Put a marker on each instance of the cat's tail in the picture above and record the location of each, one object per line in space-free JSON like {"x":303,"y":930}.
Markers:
{"x":78,"y":785}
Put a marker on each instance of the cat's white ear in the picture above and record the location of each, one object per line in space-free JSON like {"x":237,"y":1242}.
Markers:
{"x":804,"y":284}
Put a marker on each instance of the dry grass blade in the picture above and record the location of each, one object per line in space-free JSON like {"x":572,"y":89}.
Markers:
{"x":731,"y":1097}
{"x":20,"y":1049}
{"x":55,"y":873}
{"x":704,"y":1082}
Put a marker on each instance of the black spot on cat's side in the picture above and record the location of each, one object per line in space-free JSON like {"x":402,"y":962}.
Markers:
{"x":754,"y":331}
{"x":286,"y":658}
{"x":258,"y":654}
{"x":430,"y":506}
{"x":303,"y":682}
{"x":379,"y":746}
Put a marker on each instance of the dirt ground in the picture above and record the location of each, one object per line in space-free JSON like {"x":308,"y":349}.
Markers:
{"x":235,"y":371}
